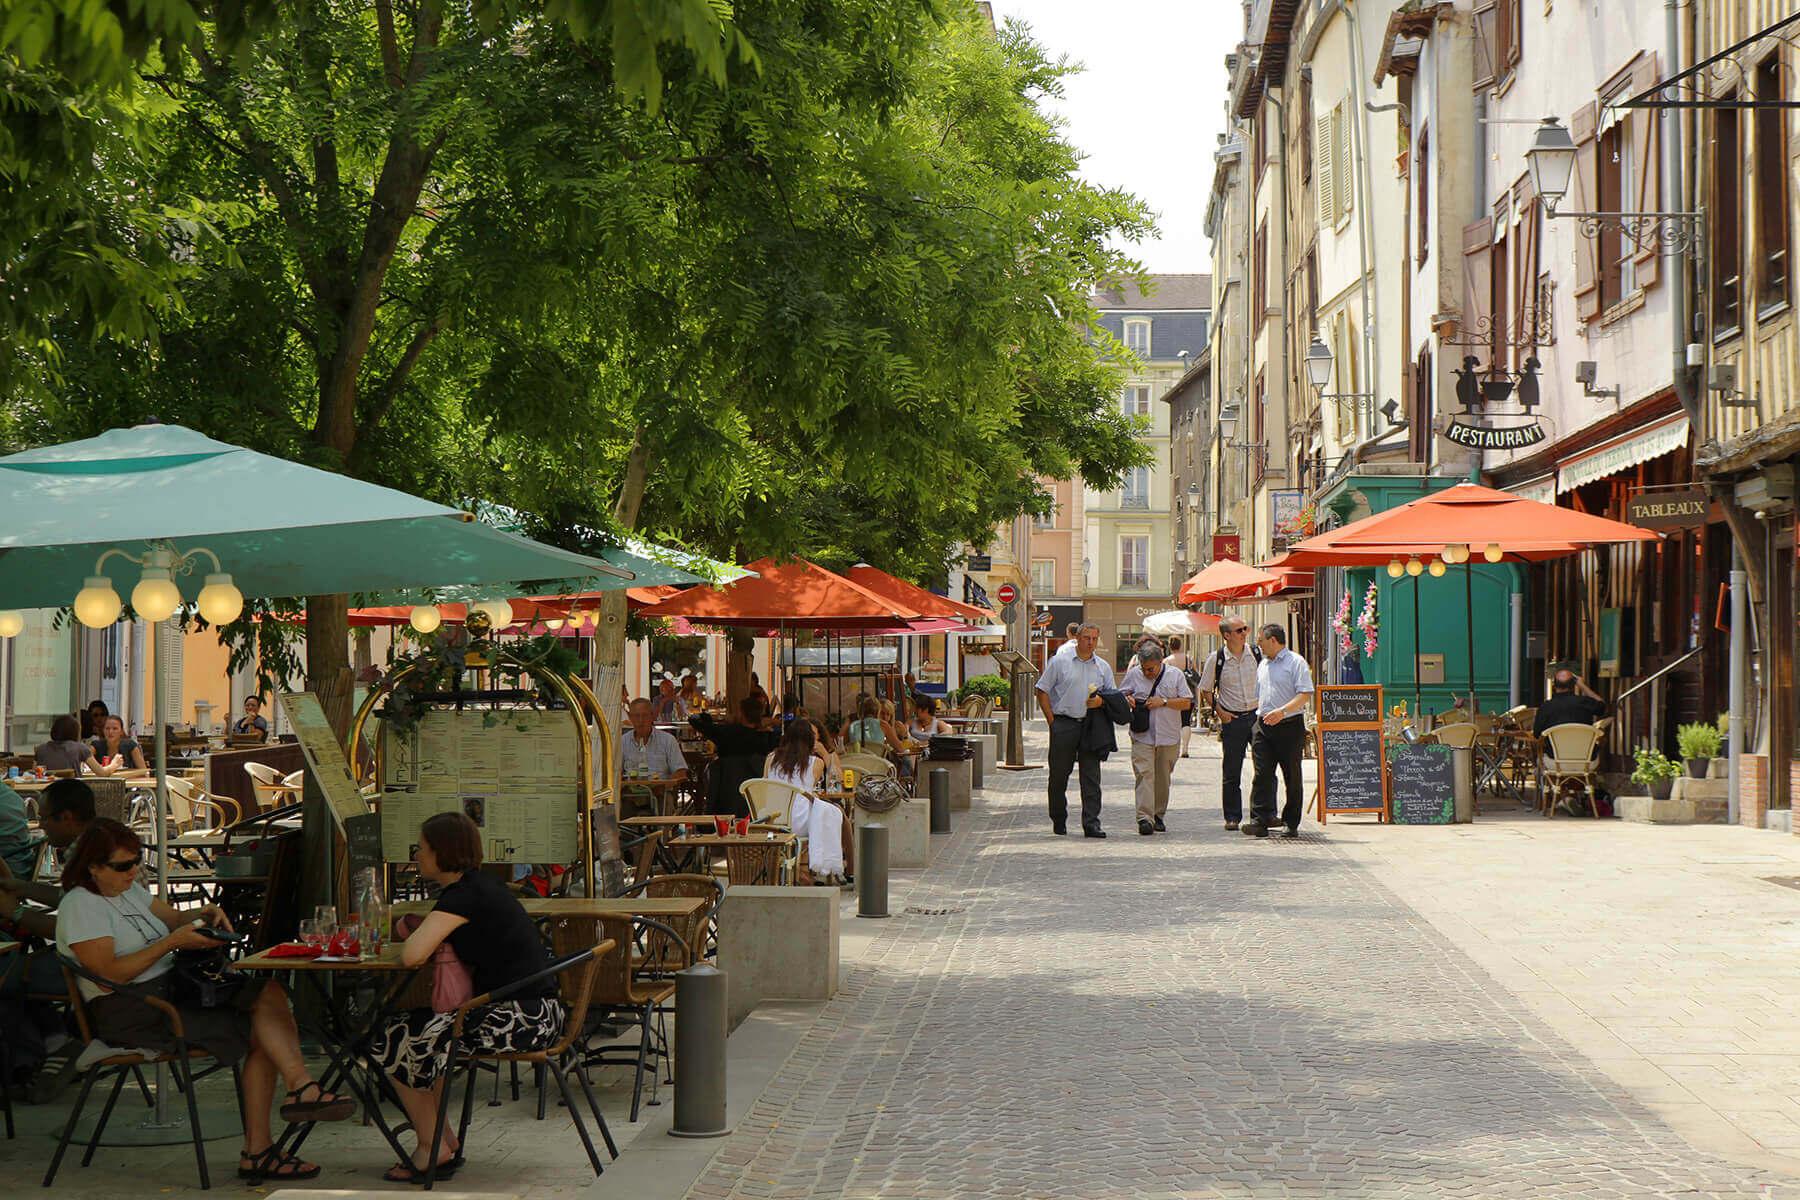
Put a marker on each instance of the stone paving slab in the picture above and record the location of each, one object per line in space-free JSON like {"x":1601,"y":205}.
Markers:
{"x":1195,"y":1014}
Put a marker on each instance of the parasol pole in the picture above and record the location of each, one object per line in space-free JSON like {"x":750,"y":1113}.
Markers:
{"x":161,"y":1117}
{"x":1418,"y":687}
{"x":1469,"y":612}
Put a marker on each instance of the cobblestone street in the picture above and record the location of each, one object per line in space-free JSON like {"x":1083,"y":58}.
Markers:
{"x":1195,"y":1014}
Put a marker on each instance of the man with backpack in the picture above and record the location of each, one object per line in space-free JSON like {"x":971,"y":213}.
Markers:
{"x":1228,"y":681}
{"x":1175,"y":656}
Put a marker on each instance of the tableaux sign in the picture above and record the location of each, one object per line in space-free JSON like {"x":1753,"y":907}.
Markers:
{"x":1352,"y":772}
{"x":1684,"y":509}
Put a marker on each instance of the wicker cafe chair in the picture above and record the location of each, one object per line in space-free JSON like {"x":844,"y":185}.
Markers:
{"x":1461,"y":735}
{"x":620,"y":995}
{"x":697,"y":933}
{"x":574,"y":973}
{"x":771,"y":803}
{"x":1571,"y":758}
{"x":122,"y":1062}
{"x":866,"y":764}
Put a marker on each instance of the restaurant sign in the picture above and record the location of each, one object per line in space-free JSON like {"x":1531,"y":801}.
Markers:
{"x":1226,"y":546}
{"x":1683,"y":509}
{"x":1477,"y":437}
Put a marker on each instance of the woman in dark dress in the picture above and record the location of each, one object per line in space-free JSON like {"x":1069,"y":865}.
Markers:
{"x":741,"y":745}
{"x":496,"y":940}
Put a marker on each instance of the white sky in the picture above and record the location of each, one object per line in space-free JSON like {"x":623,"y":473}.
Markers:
{"x":1149,"y":105}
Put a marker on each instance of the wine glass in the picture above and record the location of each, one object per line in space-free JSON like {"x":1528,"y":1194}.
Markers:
{"x":309,"y":932}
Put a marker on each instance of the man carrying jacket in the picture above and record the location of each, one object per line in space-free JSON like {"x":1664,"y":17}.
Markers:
{"x":1066,"y":691}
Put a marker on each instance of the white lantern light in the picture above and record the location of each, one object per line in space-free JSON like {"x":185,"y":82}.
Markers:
{"x":1414,"y":567}
{"x":1493,"y":553}
{"x":1552,"y":160}
{"x":1396,"y":568}
{"x":97,"y":605}
{"x":220,"y":601}
{"x":12,"y":623}
{"x":1437,"y":568}
{"x":1453,"y":554}
{"x":499,"y":613}
{"x":155,"y":598}
{"x":425,"y":618}
{"x":1318,"y":364}
{"x":553,"y":624}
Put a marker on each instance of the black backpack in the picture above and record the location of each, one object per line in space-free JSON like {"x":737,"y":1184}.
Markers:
{"x":1219,"y":668}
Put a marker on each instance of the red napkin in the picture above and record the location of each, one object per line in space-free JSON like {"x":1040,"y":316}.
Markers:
{"x":294,"y":950}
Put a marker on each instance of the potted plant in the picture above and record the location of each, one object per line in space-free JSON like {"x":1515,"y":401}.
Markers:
{"x":1698,"y":742}
{"x":1656,"y":771}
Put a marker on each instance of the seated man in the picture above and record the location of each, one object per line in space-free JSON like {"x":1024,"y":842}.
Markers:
{"x":252,"y":723}
{"x":18,"y":846}
{"x":1571,"y":702}
{"x":646,"y":752}
{"x":669,"y":707}
{"x":28,"y":911}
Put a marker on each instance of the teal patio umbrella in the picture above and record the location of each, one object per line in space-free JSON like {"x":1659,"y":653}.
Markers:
{"x":139,"y":511}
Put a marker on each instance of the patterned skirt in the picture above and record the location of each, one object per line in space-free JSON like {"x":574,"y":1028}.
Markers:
{"x":415,"y":1046}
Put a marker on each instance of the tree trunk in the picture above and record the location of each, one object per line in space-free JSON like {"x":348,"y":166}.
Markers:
{"x":328,"y":659}
{"x":740,"y":647}
{"x":609,"y":674}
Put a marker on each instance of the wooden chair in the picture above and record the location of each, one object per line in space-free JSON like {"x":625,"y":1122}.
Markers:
{"x":772,"y":803}
{"x":574,"y":973}
{"x":1571,"y":757}
{"x":619,"y":995}
{"x":123,"y":1063}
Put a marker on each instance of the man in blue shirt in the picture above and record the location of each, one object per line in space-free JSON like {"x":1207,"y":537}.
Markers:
{"x":1284,"y":687}
{"x":1067,"y":689}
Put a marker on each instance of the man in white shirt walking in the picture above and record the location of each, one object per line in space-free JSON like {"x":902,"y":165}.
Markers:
{"x":1284,"y":687}
{"x":1066,"y":690}
{"x":1228,"y":679}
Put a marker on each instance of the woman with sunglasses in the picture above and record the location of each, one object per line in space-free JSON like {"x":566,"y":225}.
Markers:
{"x":116,"y":930}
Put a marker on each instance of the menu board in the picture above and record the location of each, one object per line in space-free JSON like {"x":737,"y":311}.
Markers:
{"x":1350,"y":704}
{"x":1422,"y":784}
{"x":326,"y":765}
{"x":515,"y":772}
{"x":1352,"y":772}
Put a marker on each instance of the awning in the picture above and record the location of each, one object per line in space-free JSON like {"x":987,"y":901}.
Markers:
{"x":1542,"y":489}
{"x":1664,"y":437}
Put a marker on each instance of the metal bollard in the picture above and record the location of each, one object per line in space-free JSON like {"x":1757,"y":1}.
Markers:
{"x":871,"y":870}
{"x":700,"y":993}
{"x":940,"y":800}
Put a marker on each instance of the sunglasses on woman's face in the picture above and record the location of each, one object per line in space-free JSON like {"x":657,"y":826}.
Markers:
{"x":130,"y":864}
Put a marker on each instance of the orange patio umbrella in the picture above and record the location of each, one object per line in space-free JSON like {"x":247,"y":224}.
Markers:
{"x":1456,"y":525}
{"x":1226,"y":579}
{"x":927,"y":602}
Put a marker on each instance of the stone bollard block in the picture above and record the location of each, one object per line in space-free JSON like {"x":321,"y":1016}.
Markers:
{"x":777,"y":943}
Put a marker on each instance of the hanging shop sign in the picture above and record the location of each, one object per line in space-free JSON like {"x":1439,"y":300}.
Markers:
{"x":1226,"y":546}
{"x":1683,"y":509}
{"x":1478,"y":437}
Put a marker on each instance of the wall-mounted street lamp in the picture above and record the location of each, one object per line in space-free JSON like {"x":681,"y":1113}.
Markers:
{"x":1318,"y":373}
{"x":1552,"y":162}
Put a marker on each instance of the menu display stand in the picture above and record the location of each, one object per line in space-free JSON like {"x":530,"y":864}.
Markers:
{"x":1353,"y":774}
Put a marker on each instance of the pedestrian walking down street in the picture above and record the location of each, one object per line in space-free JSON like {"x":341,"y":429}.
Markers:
{"x":1176,"y":658}
{"x":1228,"y":679}
{"x":1284,"y":687}
{"x":1067,"y":691}
{"x":1159,"y":695}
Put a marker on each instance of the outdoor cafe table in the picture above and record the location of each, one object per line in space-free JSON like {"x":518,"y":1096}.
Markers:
{"x":662,"y":787}
{"x":661,"y":908}
{"x":345,"y":1039}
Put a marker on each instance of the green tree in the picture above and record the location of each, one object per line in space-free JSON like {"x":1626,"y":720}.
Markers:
{"x":830,"y":298}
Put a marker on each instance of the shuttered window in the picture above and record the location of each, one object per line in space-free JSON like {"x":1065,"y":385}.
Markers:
{"x":1326,"y":176}
{"x":1722,"y":213}
{"x":1771,"y":190}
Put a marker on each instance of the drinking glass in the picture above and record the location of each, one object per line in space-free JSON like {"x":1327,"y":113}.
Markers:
{"x":743,"y":826}
{"x":326,"y":917}
{"x":309,"y":932}
{"x":723,"y":824}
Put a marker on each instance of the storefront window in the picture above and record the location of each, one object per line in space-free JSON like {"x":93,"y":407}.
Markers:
{"x":42,"y":676}
{"x":1125,"y":639}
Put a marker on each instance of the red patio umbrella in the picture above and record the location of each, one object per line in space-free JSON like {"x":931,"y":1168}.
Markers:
{"x":926,"y":602}
{"x":1226,"y":579}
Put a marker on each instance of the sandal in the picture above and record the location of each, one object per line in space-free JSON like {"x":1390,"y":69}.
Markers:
{"x":406,"y":1172}
{"x":327,"y":1107}
{"x":266,"y":1165}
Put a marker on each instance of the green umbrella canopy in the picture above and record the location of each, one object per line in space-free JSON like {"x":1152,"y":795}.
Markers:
{"x":279,"y":528}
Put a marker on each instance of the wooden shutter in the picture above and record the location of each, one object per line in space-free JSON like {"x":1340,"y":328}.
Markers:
{"x":1478,"y":282}
{"x":1581,"y":199}
{"x":1485,"y":67}
{"x":1323,"y":177}
{"x":1524,"y":294}
{"x":1646,"y":190}
{"x":172,"y":642}
{"x":1343,"y":173}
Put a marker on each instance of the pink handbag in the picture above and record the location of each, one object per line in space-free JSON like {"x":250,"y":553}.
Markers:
{"x":451,"y":984}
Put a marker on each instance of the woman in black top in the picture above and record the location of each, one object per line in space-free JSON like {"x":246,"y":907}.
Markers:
{"x":495,"y":938}
{"x":741,"y":745}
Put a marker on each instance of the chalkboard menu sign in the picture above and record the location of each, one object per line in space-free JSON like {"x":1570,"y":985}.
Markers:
{"x":1358,"y":704}
{"x":1352,"y":771}
{"x":1421,"y":784}
{"x":362,"y":841}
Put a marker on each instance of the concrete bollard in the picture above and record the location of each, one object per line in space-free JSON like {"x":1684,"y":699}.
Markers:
{"x":940,"y":800}
{"x":872,"y":870}
{"x":700,"y":994}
